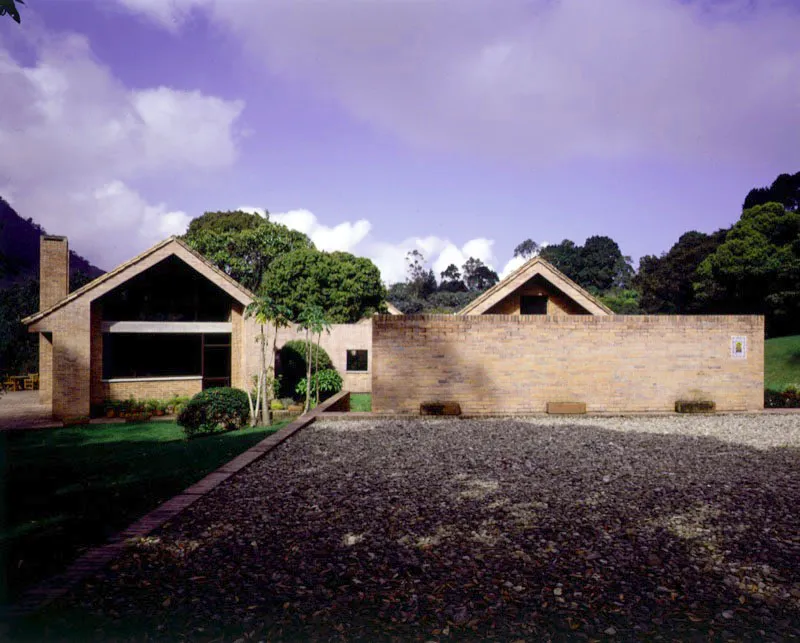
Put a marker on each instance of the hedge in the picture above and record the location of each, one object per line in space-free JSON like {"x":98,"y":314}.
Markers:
{"x":214,"y":410}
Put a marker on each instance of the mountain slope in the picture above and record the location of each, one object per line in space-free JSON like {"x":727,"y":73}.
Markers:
{"x":19,"y":249}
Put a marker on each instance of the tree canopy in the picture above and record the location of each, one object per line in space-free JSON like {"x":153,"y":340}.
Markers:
{"x":243,"y":245}
{"x":598,"y":265}
{"x":756,"y":270}
{"x":784,"y":190}
{"x":9,"y":7}
{"x":347,"y":287}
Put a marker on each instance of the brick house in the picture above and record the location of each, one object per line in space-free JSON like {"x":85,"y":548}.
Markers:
{"x":167,"y":322}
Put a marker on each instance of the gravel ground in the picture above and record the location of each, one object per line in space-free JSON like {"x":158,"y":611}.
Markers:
{"x":669,"y":528}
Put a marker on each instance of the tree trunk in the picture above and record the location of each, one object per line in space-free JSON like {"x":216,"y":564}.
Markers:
{"x":316,"y":365}
{"x":266,"y":409}
{"x":308,"y":370}
{"x":272,"y":371}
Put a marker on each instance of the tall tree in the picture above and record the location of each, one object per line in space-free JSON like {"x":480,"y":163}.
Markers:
{"x":348,"y":288}
{"x":666,"y":282}
{"x":565,"y":256}
{"x":451,"y":280}
{"x":421,"y":281}
{"x":785,"y":190}
{"x":243,"y":245}
{"x":10,"y":7}
{"x":756,"y":270}
{"x":526,"y":249}
{"x":266,"y":311}
{"x":478,"y":276}
{"x":603,"y":266}
{"x":311,"y":319}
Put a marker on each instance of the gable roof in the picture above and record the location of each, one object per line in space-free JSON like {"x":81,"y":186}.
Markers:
{"x":393,"y":310}
{"x":530,"y":269}
{"x":172,"y":246}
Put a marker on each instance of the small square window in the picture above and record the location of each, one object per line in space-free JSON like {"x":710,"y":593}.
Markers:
{"x":356,"y":360}
{"x":533,"y":305}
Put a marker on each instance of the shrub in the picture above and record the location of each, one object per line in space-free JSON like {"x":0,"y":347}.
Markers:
{"x":329,"y":381}
{"x":214,"y":410}
{"x":276,"y":405}
{"x":789,"y":398}
{"x":293,"y":365}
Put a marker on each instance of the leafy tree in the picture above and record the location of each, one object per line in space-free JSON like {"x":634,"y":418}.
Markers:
{"x":346,"y":287}
{"x":598,"y":265}
{"x":9,"y":7}
{"x":407,"y":302}
{"x":565,"y":256}
{"x":622,"y":301}
{"x":526,"y":249}
{"x":243,"y":245}
{"x":478,"y":276}
{"x":451,"y":280}
{"x":785,"y":190}
{"x":266,"y":311}
{"x":756,"y":270}
{"x":421,"y":281}
{"x":666,"y":282}
{"x":312,"y":319}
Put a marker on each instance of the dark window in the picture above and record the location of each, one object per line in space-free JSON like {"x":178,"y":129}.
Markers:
{"x":156,"y":355}
{"x":533,"y":305}
{"x":357,"y":360}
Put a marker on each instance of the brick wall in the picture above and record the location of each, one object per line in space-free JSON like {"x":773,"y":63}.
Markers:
{"x":45,"y":368}
{"x":502,"y":363}
{"x":237,"y":346}
{"x":157,"y":389}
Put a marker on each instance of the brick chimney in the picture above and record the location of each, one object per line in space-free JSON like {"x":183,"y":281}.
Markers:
{"x":53,"y":270}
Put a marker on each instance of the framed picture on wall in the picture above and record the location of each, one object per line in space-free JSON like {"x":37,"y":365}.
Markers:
{"x":739,"y":347}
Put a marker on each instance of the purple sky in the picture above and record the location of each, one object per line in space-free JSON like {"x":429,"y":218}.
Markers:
{"x":459,"y":127}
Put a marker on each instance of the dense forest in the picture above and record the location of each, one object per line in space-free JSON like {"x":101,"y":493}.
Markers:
{"x":752,"y":267}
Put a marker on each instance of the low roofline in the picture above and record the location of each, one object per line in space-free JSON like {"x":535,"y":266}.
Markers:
{"x":528,"y":266}
{"x":247,"y":296}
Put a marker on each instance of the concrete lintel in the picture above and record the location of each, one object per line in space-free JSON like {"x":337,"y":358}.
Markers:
{"x":166,"y":327}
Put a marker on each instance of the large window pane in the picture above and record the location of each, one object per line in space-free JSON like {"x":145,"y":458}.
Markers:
{"x":357,"y":360}
{"x":157,"y":355}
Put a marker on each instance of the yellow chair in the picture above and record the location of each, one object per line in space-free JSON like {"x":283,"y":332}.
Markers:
{"x":9,"y":384}
{"x":31,"y":382}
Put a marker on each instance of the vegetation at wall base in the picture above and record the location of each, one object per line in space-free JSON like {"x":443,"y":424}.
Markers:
{"x":328,"y":381}
{"x":788,"y":398}
{"x":72,"y":488}
{"x":782,"y":362}
{"x":215,"y":410}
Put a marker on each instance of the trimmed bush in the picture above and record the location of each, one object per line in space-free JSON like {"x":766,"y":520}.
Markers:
{"x":789,"y":398}
{"x":329,"y":381}
{"x":214,"y":410}
{"x":293,"y":365}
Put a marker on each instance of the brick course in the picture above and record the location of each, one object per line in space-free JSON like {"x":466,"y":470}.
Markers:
{"x":516,"y":364}
{"x":147,"y":389}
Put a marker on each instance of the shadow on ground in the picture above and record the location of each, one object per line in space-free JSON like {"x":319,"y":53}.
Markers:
{"x":468,"y":530}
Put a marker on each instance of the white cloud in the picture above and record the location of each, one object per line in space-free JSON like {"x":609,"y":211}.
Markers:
{"x":390,"y":258}
{"x":545,"y":81}
{"x":75,"y":139}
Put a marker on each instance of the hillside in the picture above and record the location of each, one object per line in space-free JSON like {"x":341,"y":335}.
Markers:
{"x":782,"y":362}
{"x":19,"y":249}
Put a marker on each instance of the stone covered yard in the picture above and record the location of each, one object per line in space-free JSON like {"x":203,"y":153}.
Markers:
{"x":673,"y":527}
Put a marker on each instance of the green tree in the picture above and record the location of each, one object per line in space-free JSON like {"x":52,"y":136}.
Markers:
{"x":243,"y":245}
{"x":407,"y":302}
{"x":451,"y":280}
{"x":348,"y":288}
{"x":478,"y":276}
{"x":622,"y":301}
{"x":266,"y":311}
{"x":785,"y":190}
{"x":313,"y":320}
{"x":666,"y":282}
{"x":526,"y":249}
{"x":421,"y":281}
{"x":10,"y":7}
{"x":565,"y":256}
{"x":756,"y":270}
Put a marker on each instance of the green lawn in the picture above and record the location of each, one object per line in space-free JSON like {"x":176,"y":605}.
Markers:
{"x":782,"y":362}
{"x":360,"y":401}
{"x":63,"y":490}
